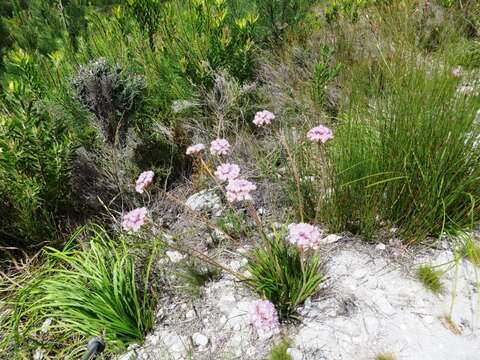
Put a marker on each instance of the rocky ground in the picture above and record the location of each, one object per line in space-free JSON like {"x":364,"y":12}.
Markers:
{"x":371,"y":303}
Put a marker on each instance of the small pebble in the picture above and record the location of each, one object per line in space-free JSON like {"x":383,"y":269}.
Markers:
{"x":200,"y":339}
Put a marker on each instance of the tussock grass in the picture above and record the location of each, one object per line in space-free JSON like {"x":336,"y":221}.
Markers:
{"x":407,"y":158}
{"x":285,"y":276}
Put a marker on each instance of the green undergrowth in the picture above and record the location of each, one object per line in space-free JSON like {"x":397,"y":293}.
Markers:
{"x":95,"y":291}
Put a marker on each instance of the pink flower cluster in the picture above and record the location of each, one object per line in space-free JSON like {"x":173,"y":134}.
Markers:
{"x":239,"y":190}
{"x":133,"y":220}
{"x":220,"y":147}
{"x":264,"y":117}
{"x":195,"y":149}
{"x":227,"y":172}
{"x":305,"y":236}
{"x":264,"y":317}
{"x":143,"y":181}
{"x":320,"y":133}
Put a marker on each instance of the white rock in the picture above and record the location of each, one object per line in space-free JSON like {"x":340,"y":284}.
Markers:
{"x":226,"y":303}
{"x":200,"y":339}
{"x":38,"y":354}
{"x":128,"y":356}
{"x":235,"y":265}
{"x":205,"y":200}
{"x":332,"y":238}
{"x":380,"y":246}
{"x":295,"y":354}
{"x":174,"y":256}
{"x":46,"y":325}
{"x":174,"y":343}
{"x":190,"y":314}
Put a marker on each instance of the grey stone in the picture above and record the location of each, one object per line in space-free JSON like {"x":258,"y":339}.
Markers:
{"x":206,"y":200}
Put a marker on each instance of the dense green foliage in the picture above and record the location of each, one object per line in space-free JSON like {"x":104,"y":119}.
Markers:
{"x":98,"y":291}
{"x":95,"y":92}
{"x":85,"y":75}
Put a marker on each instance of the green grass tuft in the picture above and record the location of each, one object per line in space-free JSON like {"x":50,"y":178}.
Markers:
{"x":279,"y":351}
{"x":284,"y":276}
{"x":98,"y":291}
{"x":430,"y":278}
{"x":385,"y":356}
{"x":195,"y":276}
{"x":471,"y":250}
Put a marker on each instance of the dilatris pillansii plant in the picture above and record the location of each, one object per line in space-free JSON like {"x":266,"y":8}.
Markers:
{"x":111,"y":95}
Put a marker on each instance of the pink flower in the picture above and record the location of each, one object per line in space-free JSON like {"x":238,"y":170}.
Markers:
{"x":320,"y":133}
{"x":195,"y":149}
{"x":239,"y":189}
{"x":457,"y":72}
{"x":227,"y":171}
{"x":220,"y":147}
{"x":133,"y":220}
{"x":143,"y":181}
{"x":305,"y":236}
{"x":264,"y":117}
{"x":264,"y":317}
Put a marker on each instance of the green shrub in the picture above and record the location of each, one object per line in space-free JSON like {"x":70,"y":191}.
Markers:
{"x":203,"y":37}
{"x":471,"y":57}
{"x":350,"y":8}
{"x":275,"y":16}
{"x":148,"y":15}
{"x":283,"y":275}
{"x":97,"y":291}
{"x":324,"y":73}
{"x":36,"y":148}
